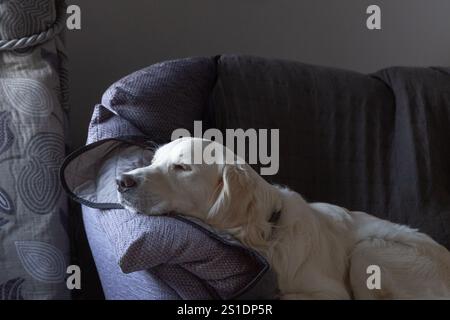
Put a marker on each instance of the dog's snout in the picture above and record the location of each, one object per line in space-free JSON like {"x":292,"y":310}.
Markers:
{"x":125,"y":182}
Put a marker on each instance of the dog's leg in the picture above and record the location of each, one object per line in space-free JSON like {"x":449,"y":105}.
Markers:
{"x":406,"y":271}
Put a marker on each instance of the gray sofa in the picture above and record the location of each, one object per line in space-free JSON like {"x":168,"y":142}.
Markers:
{"x":376,"y":143}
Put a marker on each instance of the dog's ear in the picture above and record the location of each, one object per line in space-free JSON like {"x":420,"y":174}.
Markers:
{"x":235,"y":198}
{"x":238,"y":208}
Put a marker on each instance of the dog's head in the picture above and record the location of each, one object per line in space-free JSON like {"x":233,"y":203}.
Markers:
{"x":226,"y":194}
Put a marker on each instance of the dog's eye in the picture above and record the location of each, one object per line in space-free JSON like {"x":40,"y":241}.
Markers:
{"x":181,"y":167}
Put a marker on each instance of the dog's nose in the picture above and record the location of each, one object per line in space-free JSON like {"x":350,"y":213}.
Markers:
{"x":125,"y":182}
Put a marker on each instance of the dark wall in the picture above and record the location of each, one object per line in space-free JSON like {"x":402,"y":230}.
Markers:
{"x":118,"y":37}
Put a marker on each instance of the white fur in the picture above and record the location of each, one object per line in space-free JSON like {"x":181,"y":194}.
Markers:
{"x":318,"y":250}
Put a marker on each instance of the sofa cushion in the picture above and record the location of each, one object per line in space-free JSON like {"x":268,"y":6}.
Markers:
{"x":155,"y":101}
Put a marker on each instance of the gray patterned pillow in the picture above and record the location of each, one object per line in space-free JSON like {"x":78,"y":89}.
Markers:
{"x":33,"y":209}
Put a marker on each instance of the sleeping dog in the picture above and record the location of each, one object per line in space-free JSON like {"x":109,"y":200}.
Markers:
{"x":318,"y":250}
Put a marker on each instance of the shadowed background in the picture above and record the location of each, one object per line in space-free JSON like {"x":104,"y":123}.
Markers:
{"x":119,"y":37}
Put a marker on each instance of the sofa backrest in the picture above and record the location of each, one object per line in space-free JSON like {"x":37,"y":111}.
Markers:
{"x":377,"y":143}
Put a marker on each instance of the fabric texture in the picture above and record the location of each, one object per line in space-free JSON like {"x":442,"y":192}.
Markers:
{"x":155,"y":101}
{"x":375,"y":143}
{"x":193,"y":263}
{"x":34,"y":248}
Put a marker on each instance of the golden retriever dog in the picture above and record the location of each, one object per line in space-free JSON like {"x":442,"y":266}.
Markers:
{"x":318,"y":250}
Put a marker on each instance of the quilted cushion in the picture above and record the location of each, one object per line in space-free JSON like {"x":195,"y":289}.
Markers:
{"x":155,"y":101}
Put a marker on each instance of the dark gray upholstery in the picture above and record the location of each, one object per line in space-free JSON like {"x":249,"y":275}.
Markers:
{"x":376,"y":143}
{"x":155,"y":101}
